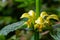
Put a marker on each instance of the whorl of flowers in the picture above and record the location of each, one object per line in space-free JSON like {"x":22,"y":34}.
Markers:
{"x":41,"y":20}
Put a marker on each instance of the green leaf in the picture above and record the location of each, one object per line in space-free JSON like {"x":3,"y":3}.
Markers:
{"x":3,"y":20}
{"x":12,"y":27}
{"x":56,"y":26}
{"x":13,"y":37}
{"x":56,"y":34}
{"x":25,"y":3}
{"x":20,"y":0}
{"x":2,"y":37}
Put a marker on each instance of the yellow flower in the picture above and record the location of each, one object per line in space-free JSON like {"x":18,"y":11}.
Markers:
{"x":43,"y":14}
{"x":36,"y":26}
{"x":39,"y":24}
{"x":30,"y":15}
{"x":53,"y":16}
{"x":47,"y":21}
{"x":39,"y":27}
{"x":25,"y":15}
{"x":39,"y":20}
{"x":28,"y":23}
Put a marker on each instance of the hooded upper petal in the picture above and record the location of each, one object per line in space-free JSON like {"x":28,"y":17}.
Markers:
{"x":31,"y":13}
{"x":43,"y":14}
{"x":25,"y":15}
{"x":53,"y":16}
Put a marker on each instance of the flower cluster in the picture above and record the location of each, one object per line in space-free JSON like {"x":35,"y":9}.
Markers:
{"x":43,"y":19}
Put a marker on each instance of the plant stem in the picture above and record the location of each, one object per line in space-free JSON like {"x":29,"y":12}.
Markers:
{"x":36,"y":37}
{"x":37,"y":8}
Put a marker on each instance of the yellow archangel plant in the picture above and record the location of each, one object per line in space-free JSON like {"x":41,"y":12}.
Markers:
{"x":41,"y":21}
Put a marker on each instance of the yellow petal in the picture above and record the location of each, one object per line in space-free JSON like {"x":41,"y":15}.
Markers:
{"x":47,"y":21}
{"x":53,"y":16}
{"x":39,"y":26}
{"x":25,"y":15}
{"x":28,"y":23}
{"x":39,"y":20}
{"x":43,"y":14}
{"x":31,"y":13}
{"x":36,"y":26}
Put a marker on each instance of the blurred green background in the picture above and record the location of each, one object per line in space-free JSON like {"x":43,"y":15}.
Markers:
{"x":11,"y":10}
